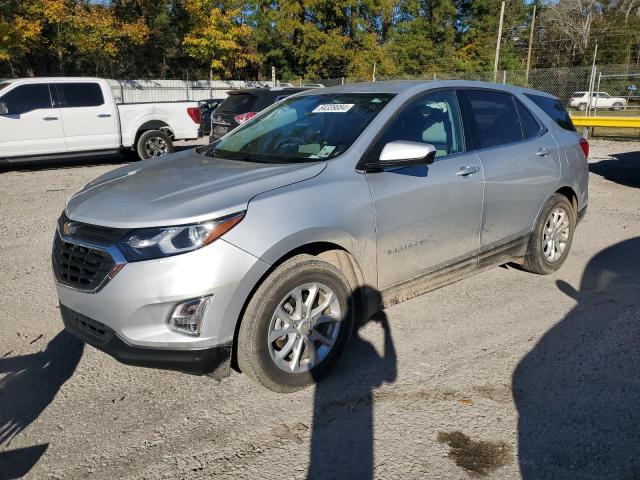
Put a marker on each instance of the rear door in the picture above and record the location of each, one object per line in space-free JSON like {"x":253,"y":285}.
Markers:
{"x":88,"y":116}
{"x":520,"y":160}
{"x":32,"y":125}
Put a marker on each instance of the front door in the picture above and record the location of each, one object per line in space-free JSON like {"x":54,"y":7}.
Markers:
{"x":427,"y":217}
{"x":31,"y":126}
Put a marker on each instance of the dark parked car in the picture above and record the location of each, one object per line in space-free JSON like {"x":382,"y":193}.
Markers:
{"x":242,"y":105}
{"x":206,"y":108}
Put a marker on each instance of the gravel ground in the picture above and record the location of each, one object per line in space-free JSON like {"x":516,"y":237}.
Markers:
{"x":503,"y":375}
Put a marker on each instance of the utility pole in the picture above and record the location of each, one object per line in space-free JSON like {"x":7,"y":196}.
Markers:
{"x":273,"y":75}
{"x":495,"y":63}
{"x":592,"y":80}
{"x":533,"y":22}
{"x":373,"y":77}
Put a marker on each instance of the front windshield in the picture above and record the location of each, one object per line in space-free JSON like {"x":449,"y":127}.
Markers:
{"x":303,"y":129}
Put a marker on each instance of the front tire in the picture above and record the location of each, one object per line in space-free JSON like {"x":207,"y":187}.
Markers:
{"x":552,"y":237}
{"x":296,"y":325}
{"x":582,"y":107}
{"x":153,"y":143}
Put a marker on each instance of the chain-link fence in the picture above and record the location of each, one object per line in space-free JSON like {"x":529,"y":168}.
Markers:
{"x":620,"y":81}
{"x":614,"y":89}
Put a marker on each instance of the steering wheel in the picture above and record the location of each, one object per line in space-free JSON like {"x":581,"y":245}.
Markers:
{"x":289,"y":143}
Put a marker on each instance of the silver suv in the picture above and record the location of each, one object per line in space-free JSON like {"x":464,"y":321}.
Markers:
{"x":262,"y":250}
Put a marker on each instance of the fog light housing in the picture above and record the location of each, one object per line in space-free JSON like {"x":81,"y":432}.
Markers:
{"x":187,"y":316}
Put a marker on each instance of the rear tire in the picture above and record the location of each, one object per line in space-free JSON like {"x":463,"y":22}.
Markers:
{"x":617,"y":106}
{"x":153,"y":143}
{"x":551,"y":239}
{"x":270,"y":359}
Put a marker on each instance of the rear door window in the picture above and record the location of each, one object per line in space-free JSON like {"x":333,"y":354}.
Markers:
{"x":491,"y":117}
{"x":27,"y":98}
{"x":554,"y":109}
{"x":530,"y":126}
{"x":79,"y":94}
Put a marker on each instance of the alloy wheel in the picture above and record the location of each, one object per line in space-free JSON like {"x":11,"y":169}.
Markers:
{"x":304,"y":328}
{"x":156,"y":147}
{"x":555,"y":235}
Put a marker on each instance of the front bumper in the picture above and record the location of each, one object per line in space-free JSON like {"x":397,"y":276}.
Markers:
{"x":133,"y":308}
{"x":213,"y":361}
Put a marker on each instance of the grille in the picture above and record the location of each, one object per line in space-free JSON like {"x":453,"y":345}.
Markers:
{"x":92,"y":233}
{"x":79,"y":266}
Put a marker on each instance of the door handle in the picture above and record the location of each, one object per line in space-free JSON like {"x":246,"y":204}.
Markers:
{"x":104,"y":115}
{"x":467,"y":170}
{"x":543,"y":151}
{"x":50,"y":117}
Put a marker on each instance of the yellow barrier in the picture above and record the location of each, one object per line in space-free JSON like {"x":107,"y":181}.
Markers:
{"x":617,"y":122}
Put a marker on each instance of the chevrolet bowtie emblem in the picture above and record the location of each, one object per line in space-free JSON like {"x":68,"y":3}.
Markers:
{"x":69,"y":228}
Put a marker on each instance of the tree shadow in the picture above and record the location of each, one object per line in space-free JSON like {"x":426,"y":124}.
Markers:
{"x":30,"y":385}
{"x":342,"y":436}
{"x":577,"y":391}
{"x":623,"y":168}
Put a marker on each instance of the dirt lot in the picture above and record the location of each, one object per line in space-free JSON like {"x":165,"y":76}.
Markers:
{"x":503,"y":375}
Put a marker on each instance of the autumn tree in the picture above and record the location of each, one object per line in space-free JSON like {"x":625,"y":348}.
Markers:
{"x":18,"y":32}
{"x":219,"y":37}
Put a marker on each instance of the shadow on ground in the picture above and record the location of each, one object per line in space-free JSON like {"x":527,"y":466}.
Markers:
{"x":29,"y":386}
{"x":577,"y":391}
{"x":622,"y":168}
{"x":342,"y":437}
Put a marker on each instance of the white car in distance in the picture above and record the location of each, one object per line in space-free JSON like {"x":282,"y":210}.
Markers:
{"x":580,"y":100}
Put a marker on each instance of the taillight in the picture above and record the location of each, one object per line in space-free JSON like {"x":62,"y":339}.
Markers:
{"x":195,"y":114}
{"x":244,"y":117}
{"x":584,"y":145}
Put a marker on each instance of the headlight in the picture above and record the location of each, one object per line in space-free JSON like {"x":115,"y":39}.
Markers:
{"x":148,"y":243}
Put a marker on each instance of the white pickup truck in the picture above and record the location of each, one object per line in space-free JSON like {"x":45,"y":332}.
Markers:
{"x":65,"y":117}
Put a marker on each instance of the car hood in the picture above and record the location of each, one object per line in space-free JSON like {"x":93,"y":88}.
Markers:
{"x":181,"y":188}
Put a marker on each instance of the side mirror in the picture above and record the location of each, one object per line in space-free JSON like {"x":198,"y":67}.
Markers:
{"x":3,"y":108}
{"x":403,"y":153}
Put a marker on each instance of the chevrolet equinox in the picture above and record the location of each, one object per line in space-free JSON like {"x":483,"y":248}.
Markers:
{"x":262,"y":249}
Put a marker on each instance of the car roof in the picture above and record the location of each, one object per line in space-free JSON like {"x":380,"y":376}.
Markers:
{"x":51,"y":79}
{"x":270,"y":90}
{"x":416,"y":86}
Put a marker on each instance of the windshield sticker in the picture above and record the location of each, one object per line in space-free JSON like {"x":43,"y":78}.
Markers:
{"x":333,"y":108}
{"x":325,"y":151}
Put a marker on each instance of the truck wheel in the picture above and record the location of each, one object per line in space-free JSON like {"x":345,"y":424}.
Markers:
{"x":617,"y":106}
{"x":551,"y":239}
{"x":296,"y":324}
{"x":153,"y":143}
{"x":582,"y":107}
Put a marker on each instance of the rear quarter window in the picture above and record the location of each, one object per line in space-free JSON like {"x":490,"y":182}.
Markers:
{"x":238,"y":103}
{"x":554,"y":109}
